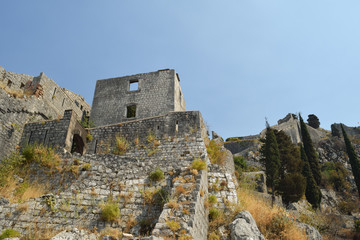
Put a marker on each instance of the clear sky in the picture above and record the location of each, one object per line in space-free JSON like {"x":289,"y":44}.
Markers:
{"x":239,"y":60}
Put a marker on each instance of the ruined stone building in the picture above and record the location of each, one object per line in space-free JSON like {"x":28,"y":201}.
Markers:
{"x":24,"y":99}
{"x":146,"y":102}
{"x":145,"y":110}
{"x":136,"y":97}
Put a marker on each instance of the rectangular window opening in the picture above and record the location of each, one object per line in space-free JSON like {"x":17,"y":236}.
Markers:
{"x":134,"y":85}
{"x":22,"y":85}
{"x":131,"y":111}
{"x":63,"y":102}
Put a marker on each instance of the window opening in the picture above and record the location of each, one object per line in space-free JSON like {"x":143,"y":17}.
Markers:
{"x":81,"y":107}
{"x":134,"y":85}
{"x":77,"y":103}
{"x":158,"y":127}
{"x":22,"y":85}
{"x":131,"y":111}
{"x":9,"y":83}
{"x":177,"y":126}
{"x":63,"y":102}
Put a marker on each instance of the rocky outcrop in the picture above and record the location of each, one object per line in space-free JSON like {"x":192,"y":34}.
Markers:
{"x":244,"y":228}
{"x":310,"y":231}
{"x":258,"y":179}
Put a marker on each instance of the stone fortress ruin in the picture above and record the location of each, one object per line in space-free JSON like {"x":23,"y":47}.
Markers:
{"x":145,"y":111}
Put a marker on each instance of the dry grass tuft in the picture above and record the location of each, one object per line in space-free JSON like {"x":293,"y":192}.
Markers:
{"x":274,"y":223}
{"x":113,"y":232}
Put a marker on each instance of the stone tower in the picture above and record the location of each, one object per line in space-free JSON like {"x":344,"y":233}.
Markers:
{"x":136,"y":97}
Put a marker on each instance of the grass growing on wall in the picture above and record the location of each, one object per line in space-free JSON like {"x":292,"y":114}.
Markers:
{"x":121,"y":145}
{"x":215,"y":152}
{"x":15,"y":172}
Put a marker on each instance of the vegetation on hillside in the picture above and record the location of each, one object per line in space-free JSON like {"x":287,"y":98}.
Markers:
{"x":312,"y":192}
{"x":353,"y":159}
{"x":310,"y":152}
{"x":271,"y":158}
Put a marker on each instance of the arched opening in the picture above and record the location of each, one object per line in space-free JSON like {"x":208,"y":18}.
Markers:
{"x":77,"y":145}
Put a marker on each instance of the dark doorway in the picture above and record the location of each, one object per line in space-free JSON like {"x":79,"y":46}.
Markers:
{"x":77,"y":145}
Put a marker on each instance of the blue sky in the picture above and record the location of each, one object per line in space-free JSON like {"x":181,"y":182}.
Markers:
{"x":239,"y":60}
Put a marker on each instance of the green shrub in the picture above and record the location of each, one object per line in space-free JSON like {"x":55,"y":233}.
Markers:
{"x":86,"y":123}
{"x":9,"y":233}
{"x":216,"y":154}
{"x":357,"y":225}
{"x":334,"y":176}
{"x":44,"y":155}
{"x":157,"y":175}
{"x":173,"y":225}
{"x":86,"y":166}
{"x":212,"y":199}
{"x":110,"y":212}
{"x":198,"y":164}
{"x":8,"y":165}
{"x":89,"y":137}
{"x":214,"y":213}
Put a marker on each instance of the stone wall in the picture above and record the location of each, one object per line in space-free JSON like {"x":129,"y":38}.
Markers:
{"x":125,"y":178}
{"x":20,"y":105}
{"x":241,"y":145}
{"x":174,"y":124}
{"x":55,"y":97}
{"x":157,"y":94}
{"x":59,"y":133}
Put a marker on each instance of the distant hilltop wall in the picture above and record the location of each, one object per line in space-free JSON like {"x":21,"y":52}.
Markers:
{"x":137,"y":96}
{"x":351,"y":131}
{"x":24,"y":98}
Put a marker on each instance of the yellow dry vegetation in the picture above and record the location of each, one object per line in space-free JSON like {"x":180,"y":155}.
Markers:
{"x":274,"y":223}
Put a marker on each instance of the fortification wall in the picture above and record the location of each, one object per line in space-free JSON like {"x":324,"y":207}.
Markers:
{"x":19,"y":105}
{"x":241,"y":145}
{"x":153,"y":97}
{"x":175,"y":124}
{"x":125,"y":178}
{"x":57,"y":133}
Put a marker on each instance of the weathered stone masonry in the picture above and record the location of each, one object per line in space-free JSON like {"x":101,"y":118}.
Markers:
{"x":23,"y":107}
{"x":60,"y":133}
{"x":157,"y":94}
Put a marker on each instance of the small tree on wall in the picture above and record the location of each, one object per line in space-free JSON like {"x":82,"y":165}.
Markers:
{"x":313,"y":121}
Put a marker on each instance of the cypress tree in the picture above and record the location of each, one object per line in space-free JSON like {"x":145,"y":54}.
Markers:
{"x":353,"y":159}
{"x":292,"y":184}
{"x":271,"y":158}
{"x":312,"y":192}
{"x":310,"y":152}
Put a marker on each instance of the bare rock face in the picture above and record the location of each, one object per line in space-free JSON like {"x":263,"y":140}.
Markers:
{"x":258,"y":179}
{"x":244,"y":228}
{"x":310,"y":231}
